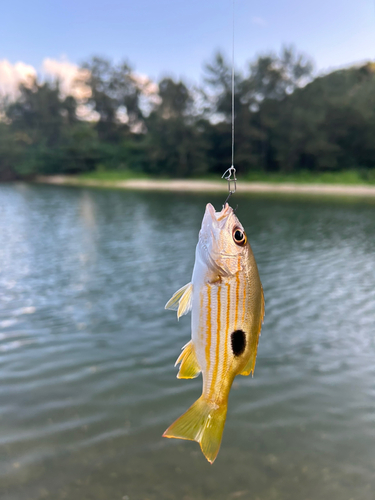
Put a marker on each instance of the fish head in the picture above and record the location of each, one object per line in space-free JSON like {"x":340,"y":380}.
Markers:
{"x":222,"y":241}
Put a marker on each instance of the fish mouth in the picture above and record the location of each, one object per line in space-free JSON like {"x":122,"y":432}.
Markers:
{"x":213,"y":224}
{"x":214,"y":217}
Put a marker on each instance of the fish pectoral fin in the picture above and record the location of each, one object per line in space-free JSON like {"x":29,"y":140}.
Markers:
{"x":181,"y":300}
{"x":189,"y":367}
{"x":203,"y":422}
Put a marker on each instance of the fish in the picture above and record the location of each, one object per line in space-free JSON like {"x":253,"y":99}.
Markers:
{"x":225,"y":297}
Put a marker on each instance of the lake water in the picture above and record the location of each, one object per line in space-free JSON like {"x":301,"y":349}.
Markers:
{"x":87,"y":350}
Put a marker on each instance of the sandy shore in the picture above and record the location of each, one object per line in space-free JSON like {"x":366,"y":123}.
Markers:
{"x":201,"y":186}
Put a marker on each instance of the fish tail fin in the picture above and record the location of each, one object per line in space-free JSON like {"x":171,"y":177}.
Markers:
{"x":203,"y":422}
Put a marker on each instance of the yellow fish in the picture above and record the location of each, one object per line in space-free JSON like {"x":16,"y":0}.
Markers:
{"x":226,"y":299}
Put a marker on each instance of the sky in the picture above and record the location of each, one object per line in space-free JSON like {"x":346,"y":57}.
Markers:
{"x":174,"y":38}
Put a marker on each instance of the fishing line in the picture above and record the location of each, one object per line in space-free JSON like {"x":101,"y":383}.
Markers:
{"x":232,"y":181}
{"x":232,"y":165}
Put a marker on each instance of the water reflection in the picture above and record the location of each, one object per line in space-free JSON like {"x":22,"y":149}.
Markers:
{"x":87,"y":350}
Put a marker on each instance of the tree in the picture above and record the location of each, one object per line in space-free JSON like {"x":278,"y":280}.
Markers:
{"x":175,"y":99}
{"x":274,"y":77}
{"x":113,"y":88}
{"x":218,"y":79}
{"x":39,"y":111}
{"x":175,"y":144}
{"x":284,"y":121}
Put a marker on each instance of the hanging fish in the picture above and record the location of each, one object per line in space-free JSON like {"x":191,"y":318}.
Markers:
{"x":226,"y":299}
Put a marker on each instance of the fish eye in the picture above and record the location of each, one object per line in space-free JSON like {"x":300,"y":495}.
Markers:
{"x":239,"y":236}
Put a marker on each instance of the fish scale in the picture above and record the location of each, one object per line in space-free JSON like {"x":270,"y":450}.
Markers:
{"x":226,"y":299}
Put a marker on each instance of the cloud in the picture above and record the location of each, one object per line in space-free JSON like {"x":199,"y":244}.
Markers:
{"x":11,"y":75}
{"x":72,"y":82}
{"x":147,"y":86}
{"x":259,"y":21}
{"x":149,"y":92}
{"x":72,"y":79}
{"x":85,"y":112}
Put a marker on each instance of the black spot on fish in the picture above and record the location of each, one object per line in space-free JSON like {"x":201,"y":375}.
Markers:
{"x":238,"y":339}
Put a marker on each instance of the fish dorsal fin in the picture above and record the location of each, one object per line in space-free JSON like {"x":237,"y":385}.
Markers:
{"x":189,"y":367}
{"x":181,"y":300}
{"x":262,"y":309}
{"x":249,"y":368}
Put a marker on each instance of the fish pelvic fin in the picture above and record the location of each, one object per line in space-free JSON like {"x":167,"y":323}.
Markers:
{"x":189,"y":367}
{"x":181,"y":300}
{"x":250,"y":366}
{"x":204,"y":423}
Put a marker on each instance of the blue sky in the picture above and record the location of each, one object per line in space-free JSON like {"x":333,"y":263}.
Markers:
{"x":175,"y":37}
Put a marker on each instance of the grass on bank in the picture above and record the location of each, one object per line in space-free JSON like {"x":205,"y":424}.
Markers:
{"x":347,"y":177}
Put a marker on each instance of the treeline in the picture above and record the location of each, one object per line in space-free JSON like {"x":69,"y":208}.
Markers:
{"x":286,"y":121}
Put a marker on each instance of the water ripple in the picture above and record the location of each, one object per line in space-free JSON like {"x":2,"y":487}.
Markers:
{"x":87,"y":350}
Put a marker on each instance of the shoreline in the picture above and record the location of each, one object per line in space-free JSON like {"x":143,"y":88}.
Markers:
{"x":186,"y":185}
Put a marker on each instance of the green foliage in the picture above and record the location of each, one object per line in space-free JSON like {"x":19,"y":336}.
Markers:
{"x":174,"y":144}
{"x":347,"y":177}
{"x":327,"y":125}
{"x":288,"y":125}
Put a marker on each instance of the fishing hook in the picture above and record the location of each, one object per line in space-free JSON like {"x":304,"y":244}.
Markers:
{"x":232,"y":182}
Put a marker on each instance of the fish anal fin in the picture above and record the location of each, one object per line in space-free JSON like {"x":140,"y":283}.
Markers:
{"x":189,"y":367}
{"x":204,"y":423}
{"x":250,"y":366}
{"x":181,"y":300}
